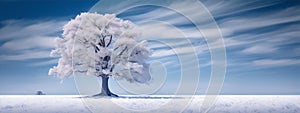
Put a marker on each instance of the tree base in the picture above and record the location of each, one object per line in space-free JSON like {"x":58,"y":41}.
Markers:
{"x":105,"y":94}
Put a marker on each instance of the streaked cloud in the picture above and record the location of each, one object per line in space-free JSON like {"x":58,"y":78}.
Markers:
{"x":29,"y":28}
{"x":25,"y":55}
{"x":259,"y":49}
{"x":264,"y":34}
{"x":257,"y":21}
{"x":29,"y":39}
{"x":233,"y":7}
{"x":40,"y":42}
{"x":276,"y":62}
{"x":45,"y":63}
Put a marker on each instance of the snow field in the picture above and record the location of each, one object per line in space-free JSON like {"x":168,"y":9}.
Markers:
{"x":153,"y":104}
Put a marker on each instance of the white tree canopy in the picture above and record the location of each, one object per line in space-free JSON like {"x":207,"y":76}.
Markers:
{"x":101,"y":45}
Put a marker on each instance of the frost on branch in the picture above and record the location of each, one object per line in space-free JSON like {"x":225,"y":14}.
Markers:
{"x":101,"y":45}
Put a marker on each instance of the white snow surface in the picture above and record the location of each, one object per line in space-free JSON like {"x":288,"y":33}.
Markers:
{"x":153,"y":104}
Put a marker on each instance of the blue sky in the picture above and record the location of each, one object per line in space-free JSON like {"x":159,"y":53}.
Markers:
{"x":261,"y":38}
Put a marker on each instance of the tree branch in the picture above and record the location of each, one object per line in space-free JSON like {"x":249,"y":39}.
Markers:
{"x":100,"y":43}
{"x":103,"y":41}
{"x":123,"y":51}
{"x":112,"y":68}
{"x":96,"y":48}
{"x":109,"y":41}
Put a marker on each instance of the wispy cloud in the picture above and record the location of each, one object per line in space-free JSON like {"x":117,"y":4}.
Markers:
{"x":174,"y":51}
{"x":256,"y":21}
{"x":233,"y":7}
{"x":264,"y":34}
{"x":276,"y":62}
{"x":272,"y":41}
{"x":243,"y":34}
{"x":40,"y":42}
{"x":260,"y":49}
{"x":28,"y":39}
{"x":25,"y":55}
{"x":46,"y":62}
{"x":29,"y":28}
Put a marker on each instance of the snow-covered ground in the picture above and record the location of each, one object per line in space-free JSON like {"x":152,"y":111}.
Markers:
{"x":159,"y":103}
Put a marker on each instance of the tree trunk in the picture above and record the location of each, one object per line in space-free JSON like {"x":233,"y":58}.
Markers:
{"x":105,"y":89}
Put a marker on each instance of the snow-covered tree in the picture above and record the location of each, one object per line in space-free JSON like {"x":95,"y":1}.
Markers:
{"x":104,"y":46}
